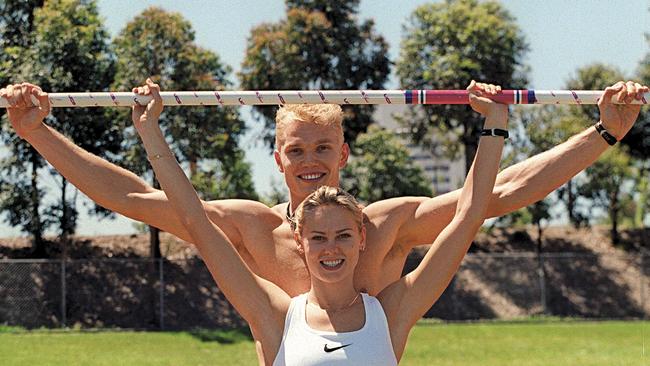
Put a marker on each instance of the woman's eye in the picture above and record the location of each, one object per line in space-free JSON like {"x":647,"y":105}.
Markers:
{"x":345,"y":236}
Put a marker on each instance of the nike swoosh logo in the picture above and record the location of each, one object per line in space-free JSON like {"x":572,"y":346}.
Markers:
{"x":328,"y":350}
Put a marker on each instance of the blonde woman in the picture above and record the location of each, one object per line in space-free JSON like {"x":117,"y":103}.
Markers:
{"x":333,"y":323}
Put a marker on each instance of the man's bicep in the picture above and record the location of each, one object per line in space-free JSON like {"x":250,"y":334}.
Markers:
{"x":430,"y":217}
{"x":153,"y":208}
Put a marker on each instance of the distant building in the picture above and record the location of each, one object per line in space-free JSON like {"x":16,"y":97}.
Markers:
{"x":444,"y":174}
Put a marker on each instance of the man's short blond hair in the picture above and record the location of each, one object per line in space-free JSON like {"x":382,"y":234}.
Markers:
{"x":320,"y":114}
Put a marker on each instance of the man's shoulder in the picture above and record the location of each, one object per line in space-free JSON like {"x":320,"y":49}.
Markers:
{"x":392,"y":206}
{"x":240,"y":207}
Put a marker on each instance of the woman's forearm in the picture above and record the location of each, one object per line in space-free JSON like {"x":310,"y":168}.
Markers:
{"x":477,"y":190}
{"x":177,"y":187}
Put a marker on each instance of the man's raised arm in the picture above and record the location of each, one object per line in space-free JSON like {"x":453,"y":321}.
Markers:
{"x":533,"y":179}
{"x":107,"y":184}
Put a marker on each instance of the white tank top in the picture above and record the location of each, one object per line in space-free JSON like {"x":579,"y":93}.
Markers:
{"x":302,"y":345}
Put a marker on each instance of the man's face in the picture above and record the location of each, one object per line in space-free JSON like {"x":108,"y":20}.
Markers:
{"x":310,"y":156}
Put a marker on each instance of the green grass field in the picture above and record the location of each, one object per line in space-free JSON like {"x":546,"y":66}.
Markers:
{"x":519,"y":343}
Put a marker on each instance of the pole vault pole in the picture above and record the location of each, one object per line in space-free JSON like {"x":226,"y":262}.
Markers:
{"x":358,"y":97}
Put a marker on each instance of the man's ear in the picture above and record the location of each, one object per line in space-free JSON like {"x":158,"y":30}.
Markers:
{"x":362,"y":245}
{"x":345,"y":154}
{"x":278,"y":160}
{"x":298,"y":240}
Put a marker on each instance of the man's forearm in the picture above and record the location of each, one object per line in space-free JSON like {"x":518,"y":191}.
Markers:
{"x":534,"y":178}
{"x":104,"y":182}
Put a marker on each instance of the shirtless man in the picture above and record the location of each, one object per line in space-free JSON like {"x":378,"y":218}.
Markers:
{"x":310,"y":153}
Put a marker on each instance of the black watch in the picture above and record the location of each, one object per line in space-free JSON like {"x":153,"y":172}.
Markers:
{"x":611,"y":140}
{"x":495,"y":132}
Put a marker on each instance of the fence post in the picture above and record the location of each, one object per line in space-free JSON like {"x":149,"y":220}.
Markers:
{"x":64,"y":319}
{"x":162,"y":293}
{"x":541,"y":274}
{"x":642,"y":282}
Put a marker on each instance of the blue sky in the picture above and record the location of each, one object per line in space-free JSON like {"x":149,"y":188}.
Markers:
{"x":563,"y":36}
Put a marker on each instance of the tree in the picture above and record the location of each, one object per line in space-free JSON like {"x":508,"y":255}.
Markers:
{"x":381,"y":168}
{"x":546,"y":127}
{"x":320,"y":45}
{"x":534,"y":130}
{"x":16,"y":24}
{"x":445,"y":46}
{"x":608,"y":181}
{"x":609,"y":186}
{"x":638,"y":139}
{"x":229,"y":178}
{"x":161,"y":44}
{"x":68,"y":51}
{"x":19,"y":192}
{"x":277,"y":195}
{"x":638,"y":143}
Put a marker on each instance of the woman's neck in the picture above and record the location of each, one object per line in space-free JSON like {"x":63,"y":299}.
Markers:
{"x":333,"y":296}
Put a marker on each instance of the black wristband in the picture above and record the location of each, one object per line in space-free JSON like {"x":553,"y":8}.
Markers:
{"x":611,"y":140}
{"x":495,"y":132}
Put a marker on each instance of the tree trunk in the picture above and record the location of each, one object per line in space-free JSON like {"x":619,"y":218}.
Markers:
{"x":471,"y":145}
{"x":64,"y":211}
{"x":570,"y":204}
{"x":541,"y":271}
{"x":613,"y":216}
{"x":640,"y":210}
{"x":154,"y":232}
{"x":154,"y":253}
{"x":36,"y":226}
{"x":193,"y":167}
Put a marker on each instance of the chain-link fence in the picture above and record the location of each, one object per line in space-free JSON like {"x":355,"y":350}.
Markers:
{"x":180,"y":294}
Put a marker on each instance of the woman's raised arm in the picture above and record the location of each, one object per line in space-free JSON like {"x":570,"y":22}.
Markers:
{"x":409,"y":298}
{"x":256,"y":299}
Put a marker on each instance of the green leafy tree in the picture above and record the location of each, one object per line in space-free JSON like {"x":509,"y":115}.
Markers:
{"x":277,"y":195}
{"x":535,"y":130}
{"x":320,"y":45}
{"x":609,"y":186}
{"x":607,"y":180}
{"x":638,"y":139}
{"x":161,"y":44}
{"x":638,"y":143}
{"x":546,"y":127}
{"x":445,"y":46}
{"x":20,"y":196}
{"x":16,"y":24}
{"x":229,"y":178}
{"x":381,"y":168}
{"x":68,"y":51}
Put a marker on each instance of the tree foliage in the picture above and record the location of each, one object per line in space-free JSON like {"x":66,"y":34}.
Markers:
{"x":160,"y":44}
{"x":20,"y":194}
{"x":320,"y":45}
{"x":381,"y":168}
{"x":68,"y":51}
{"x":445,"y":46}
{"x":638,"y":139}
{"x":609,"y":183}
{"x":16,"y":24}
{"x":605,"y":183}
{"x":609,"y":186}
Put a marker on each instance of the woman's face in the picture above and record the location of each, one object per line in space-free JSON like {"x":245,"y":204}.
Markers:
{"x":331,"y":240}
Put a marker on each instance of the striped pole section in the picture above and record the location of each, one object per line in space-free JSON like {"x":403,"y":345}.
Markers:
{"x":359,"y":97}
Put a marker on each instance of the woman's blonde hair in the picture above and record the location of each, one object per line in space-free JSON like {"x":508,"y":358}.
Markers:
{"x":320,"y":114}
{"x":323,"y":196}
